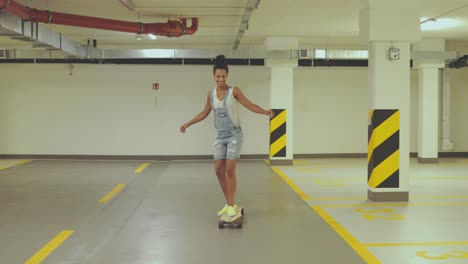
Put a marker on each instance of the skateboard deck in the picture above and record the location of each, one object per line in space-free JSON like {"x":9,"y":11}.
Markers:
{"x":234,"y":224}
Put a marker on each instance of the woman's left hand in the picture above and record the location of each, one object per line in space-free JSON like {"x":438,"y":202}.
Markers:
{"x":270,"y":113}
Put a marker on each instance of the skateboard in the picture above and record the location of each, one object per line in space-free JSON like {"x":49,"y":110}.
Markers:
{"x":234,"y":224}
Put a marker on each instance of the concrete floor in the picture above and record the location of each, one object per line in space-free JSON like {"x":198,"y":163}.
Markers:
{"x":72,"y":212}
{"x":430,"y":228}
{"x":315,"y":211}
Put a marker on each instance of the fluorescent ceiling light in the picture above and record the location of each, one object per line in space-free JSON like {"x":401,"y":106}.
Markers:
{"x":320,"y":54}
{"x":439,"y":23}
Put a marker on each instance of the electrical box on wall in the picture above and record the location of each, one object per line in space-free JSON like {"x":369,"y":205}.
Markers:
{"x":394,"y":53}
{"x":155,"y":86}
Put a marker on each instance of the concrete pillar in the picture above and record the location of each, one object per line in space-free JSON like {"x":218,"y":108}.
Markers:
{"x":281,"y":98}
{"x":428,"y":99}
{"x":389,"y":27}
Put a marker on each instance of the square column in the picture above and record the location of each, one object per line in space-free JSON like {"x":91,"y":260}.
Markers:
{"x":281,"y":98}
{"x":389,"y":27}
{"x":428,"y":99}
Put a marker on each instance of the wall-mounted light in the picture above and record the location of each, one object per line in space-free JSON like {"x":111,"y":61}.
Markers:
{"x":152,"y":36}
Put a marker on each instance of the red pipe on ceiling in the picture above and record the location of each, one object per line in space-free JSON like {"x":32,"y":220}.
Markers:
{"x":172,"y":28}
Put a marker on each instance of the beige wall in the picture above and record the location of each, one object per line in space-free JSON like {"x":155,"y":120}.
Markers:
{"x":111,"y":110}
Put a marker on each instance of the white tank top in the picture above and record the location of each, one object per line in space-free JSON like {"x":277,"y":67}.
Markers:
{"x":232,"y":105}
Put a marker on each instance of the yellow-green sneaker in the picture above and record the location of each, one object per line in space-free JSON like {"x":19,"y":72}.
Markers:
{"x":231,"y":215}
{"x":231,"y":211}
{"x":223,"y":211}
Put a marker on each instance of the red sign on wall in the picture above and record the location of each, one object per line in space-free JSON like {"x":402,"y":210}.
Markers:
{"x":155,"y":86}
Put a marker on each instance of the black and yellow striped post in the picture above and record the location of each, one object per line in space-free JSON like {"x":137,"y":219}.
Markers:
{"x":278,"y":134}
{"x":384,"y":148}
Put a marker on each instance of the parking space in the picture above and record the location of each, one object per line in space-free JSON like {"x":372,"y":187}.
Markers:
{"x":428,"y":228}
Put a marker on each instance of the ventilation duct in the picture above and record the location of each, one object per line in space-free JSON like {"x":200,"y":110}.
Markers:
{"x":41,"y":37}
{"x":244,"y":25}
{"x":459,"y":63}
{"x":172,"y":28}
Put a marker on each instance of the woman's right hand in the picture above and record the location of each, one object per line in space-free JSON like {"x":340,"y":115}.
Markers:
{"x":183,"y":128}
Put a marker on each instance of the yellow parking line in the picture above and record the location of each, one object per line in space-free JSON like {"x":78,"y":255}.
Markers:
{"x":461,"y":178}
{"x":338,"y":198}
{"x":307,"y":169}
{"x":364,"y":178}
{"x":402,"y":204}
{"x":301,"y":162}
{"x":347,"y":236}
{"x":328,"y":182}
{"x":413,"y":197}
{"x":141,"y":168}
{"x":111,"y":194}
{"x":13,"y":164}
{"x":452,"y":165}
{"x":365,"y":254}
{"x":312,"y":178}
{"x":291,"y":184}
{"x":49,"y":247}
{"x":411,"y":244}
{"x":23,"y":162}
{"x":428,"y":197}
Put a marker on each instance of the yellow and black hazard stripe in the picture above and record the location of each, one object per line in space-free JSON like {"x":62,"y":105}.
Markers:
{"x":384,"y":148}
{"x":278,"y":134}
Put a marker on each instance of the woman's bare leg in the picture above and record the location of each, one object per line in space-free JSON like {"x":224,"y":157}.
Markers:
{"x":231,"y":180}
{"x":220,"y":168}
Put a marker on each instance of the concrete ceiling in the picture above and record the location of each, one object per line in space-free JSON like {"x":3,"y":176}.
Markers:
{"x":317,"y":23}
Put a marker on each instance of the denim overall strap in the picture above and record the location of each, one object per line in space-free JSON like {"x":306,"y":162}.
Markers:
{"x":222,"y":120}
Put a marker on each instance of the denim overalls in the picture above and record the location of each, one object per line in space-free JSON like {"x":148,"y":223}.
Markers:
{"x":229,"y":136}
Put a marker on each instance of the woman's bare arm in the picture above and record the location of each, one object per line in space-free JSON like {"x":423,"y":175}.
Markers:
{"x":202,"y":115}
